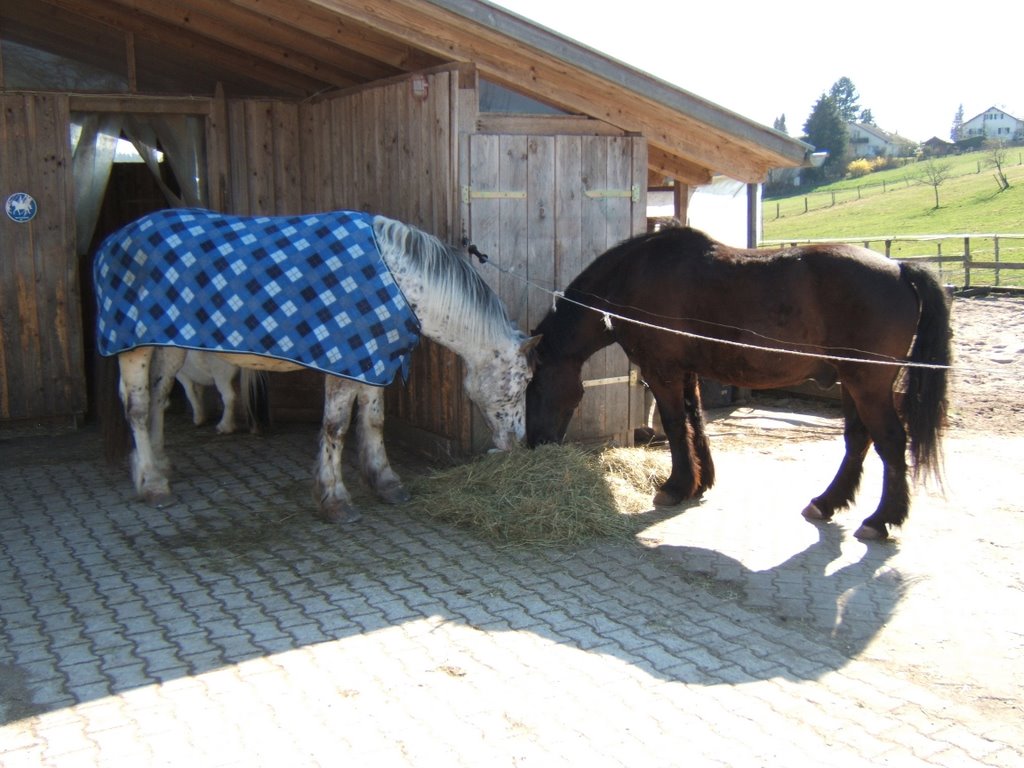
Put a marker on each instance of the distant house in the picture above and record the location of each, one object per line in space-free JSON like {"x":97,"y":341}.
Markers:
{"x":871,"y":141}
{"x":936,"y":147}
{"x":994,"y":123}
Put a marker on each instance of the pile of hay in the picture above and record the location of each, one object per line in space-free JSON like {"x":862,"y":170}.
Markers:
{"x":554,"y":494}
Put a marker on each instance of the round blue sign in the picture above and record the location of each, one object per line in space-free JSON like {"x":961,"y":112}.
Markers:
{"x":21,"y":207}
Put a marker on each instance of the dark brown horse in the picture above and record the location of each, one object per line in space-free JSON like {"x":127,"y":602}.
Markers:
{"x":759,"y":319}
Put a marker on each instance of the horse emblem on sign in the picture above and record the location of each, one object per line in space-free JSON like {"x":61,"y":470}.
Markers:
{"x":21,"y":207}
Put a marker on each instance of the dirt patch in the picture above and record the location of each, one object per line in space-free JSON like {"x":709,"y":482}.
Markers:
{"x":984,"y":385}
{"x":988,"y":365}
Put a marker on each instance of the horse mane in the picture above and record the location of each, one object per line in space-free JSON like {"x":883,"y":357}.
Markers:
{"x":671,"y":239}
{"x":455,"y":288}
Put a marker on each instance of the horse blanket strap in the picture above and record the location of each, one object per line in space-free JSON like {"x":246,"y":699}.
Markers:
{"x":311,"y":290}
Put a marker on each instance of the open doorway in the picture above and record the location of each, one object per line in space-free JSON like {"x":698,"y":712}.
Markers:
{"x":132,"y":177}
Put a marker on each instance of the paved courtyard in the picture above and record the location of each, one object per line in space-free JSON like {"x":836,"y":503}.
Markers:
{"x":232,"y":629}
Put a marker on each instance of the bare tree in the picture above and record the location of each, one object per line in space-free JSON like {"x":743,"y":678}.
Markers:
{"x":997,"y":158}
{"x":934,"y":174}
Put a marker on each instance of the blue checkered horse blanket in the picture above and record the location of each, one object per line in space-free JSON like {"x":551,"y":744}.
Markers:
{"x":311,"y":290}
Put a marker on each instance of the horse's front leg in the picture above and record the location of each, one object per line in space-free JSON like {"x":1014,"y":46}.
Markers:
{"x":372,"y":455}
{"x":148,"y":476}
{"x":685,"y":481}
{"x":701,"y":447}
{"x":334,"y":504}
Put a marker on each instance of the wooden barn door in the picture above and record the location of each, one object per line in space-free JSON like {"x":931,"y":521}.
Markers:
{"x":42,"y":378}
{"x":543,"y":208}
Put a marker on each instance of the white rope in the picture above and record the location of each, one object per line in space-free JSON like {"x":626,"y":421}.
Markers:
{"x":607,"y":317}
{"x":742,"y":345}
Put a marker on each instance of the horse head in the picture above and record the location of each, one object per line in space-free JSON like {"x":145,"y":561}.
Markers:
{"x":498,"y":386}
{"x":551,"y":398}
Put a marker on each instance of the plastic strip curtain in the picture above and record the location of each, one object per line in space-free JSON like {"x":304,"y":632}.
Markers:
{"x":93,"y":146}
{"x":94,"y":138}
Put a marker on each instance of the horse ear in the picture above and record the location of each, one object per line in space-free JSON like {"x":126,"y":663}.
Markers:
{"x":529,"y":349}
{"x":530,"y":344}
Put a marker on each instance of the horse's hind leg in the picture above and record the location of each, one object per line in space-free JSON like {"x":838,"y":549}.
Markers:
{"x":334,"y":504}
{"x":147,"y":460}
{"x":843,"y":488}
{"x":890,"y":438}
{"x":878,"y":423}
{"x":372,"y":455}
{"x":226,"y":378}
{"x":194,"y":395}
{"x":167,"y":361}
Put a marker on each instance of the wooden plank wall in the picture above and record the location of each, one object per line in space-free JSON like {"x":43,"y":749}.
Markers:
{"x":264,"y":177}
{"x":41,"y":359}
{"x":531,"y":213}
{"x":264,"y":174}
{"x":385,"y":148}
{"x":388,"y":149}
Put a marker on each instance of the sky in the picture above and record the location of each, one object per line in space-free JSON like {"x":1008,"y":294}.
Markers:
{"x":913,"y":64}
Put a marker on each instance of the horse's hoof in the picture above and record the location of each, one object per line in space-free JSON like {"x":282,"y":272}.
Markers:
{"x":159,"y":499}
{"x":395,"y":494}
{"x":811,"y":512}
{"x":340,"y":514}
{"x":867,"y":533}
{"x":666,"y":499}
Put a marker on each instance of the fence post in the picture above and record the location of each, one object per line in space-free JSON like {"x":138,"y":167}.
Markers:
{"x":967,"y":262}
{"x":995,"y":241}
{"x":805,"y":203}
{"x":888,"y":249}
{"x":939,"y":254}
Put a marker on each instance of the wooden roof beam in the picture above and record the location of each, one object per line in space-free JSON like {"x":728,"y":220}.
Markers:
{"x":160,"y":33}
{"x":521,"y":55}
{"x":315,"y":21}
{"x":675,"y":167}
{"x":227,"y":27}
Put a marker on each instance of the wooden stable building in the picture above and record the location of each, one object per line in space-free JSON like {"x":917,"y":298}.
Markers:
{"x":451,"y":115}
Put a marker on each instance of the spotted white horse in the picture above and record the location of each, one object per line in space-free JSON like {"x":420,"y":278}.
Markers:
{"x":452,"y":306}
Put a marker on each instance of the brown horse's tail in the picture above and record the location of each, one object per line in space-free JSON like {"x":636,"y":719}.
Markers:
{"x":117,"y":438}
{"x":924,"y":406}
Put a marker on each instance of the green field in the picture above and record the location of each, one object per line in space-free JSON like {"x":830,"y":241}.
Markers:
{"x":895,"y":205}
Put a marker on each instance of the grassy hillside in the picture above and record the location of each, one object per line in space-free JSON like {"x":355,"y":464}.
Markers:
{"x":896,"y":203}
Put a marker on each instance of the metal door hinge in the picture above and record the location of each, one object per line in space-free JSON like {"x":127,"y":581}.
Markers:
{"x":481,"y":194}
{"x":633,"y":193}
{"x":632,"y":379}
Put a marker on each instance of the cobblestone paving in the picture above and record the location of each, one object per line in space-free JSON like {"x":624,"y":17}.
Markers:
{"x":231,"y":629}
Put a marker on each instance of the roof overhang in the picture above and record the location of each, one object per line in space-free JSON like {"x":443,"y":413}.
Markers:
{"x":300,"y":48}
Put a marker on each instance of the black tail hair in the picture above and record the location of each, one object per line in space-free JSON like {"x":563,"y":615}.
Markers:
{"x":924,"y":406}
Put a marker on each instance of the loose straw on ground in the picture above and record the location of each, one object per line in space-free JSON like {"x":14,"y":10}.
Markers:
{"x":560,"y":495}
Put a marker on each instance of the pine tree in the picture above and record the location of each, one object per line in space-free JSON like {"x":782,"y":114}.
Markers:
{"x":844,"y":95}
{"x":780,"y":123}
{"x":957,"y":131}
{"x":826,"y":131}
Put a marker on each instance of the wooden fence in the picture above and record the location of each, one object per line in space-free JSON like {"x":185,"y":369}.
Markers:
{"x":975,"y":260}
